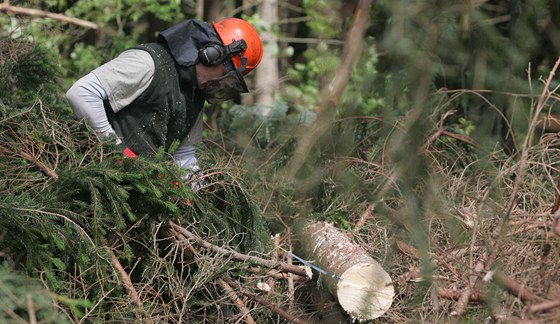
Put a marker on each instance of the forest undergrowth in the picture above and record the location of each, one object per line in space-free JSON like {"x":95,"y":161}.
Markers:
{"x":463,"y":228}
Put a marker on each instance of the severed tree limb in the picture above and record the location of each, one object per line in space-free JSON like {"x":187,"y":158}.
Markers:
{"x":295,"y":269}
{"x":42,"y":166}
{"x":544,"y":306}
{"x":279,"y":311}
{"x":457,"y":294}
{"x":514,"y":288}
{"x":245,"y":312}
{"x":125,"y":278}
{"x":33,"y":160}
{"x":5,"y":6}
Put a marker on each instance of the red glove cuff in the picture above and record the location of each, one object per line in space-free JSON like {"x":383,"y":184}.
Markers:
{"x":128,"y":153}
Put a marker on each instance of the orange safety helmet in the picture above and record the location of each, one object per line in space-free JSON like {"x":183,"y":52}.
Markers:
{"x":234,"y":29}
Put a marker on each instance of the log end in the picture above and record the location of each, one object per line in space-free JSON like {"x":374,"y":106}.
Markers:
{"x":365,"y":291}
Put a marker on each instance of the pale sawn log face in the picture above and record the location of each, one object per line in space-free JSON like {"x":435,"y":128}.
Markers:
{"x":365,"y":291}
{"x":362,"y":287}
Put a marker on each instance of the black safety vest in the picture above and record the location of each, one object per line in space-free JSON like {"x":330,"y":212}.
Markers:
{"x":166,"y":111}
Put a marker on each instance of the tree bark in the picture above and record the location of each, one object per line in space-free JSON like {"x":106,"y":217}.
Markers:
{"x":267,"y":75}
{"x":361,"y":286}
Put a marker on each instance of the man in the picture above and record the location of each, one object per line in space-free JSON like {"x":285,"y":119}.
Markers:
{"x":153,"y":94}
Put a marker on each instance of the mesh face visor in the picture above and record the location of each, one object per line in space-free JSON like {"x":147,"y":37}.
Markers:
{"x":226,"y":87}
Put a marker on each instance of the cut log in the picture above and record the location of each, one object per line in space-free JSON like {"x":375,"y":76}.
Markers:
{"x":362,"y":287}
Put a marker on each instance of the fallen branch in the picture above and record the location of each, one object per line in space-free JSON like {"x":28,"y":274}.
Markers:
{"x":245,"y":312}
{"x":366,"y":215}
{"x":543,"y":307}
{"x":125,"y":278}
{"x":234,"y":255}
{"x":456,"y":295}
{"x":515,"y":288}
{"x":279,"y":311}
{"x":5,"y":6}
{"x":40,"y":165}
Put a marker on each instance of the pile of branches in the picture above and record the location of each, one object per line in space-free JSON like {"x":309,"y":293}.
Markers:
{"x":107,"y":236}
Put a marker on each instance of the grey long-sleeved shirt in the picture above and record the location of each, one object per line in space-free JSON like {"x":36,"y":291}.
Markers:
{"x":121,"y":81}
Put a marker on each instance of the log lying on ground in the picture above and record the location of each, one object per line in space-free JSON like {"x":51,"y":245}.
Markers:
{"x":361,"y":286}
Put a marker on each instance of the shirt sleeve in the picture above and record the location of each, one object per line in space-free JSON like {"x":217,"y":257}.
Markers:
{"x":126,"y":77}
{"x":86,"y":99}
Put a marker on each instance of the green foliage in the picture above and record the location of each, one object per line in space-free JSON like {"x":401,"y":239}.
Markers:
{"x":26,"y":300}
{"x":27,"y":73}
{"x":66,"y":196}
{"x":321,"y":20}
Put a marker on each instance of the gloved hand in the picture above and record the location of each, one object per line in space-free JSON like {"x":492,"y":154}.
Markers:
{"x":195,"y":178}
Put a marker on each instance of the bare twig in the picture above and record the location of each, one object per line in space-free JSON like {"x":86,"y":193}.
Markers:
{"x":279,"y":311}
{"x":442,"y":132}
{"x":543,"y":307}
{"x":234,"y":255}
{"x":366,"y":215}
{"x":5,"y":6}
{"x":245,"y":312}
{"x":457,"y":294}
{"x":40,"y":165}
{"x":514,"y":288}
{"x":277,"y":275}
{"x":125,"y":278}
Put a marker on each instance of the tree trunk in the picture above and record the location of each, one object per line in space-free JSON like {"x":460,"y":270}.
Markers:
{"x":267,"y":76}
{"x":361,"y":286}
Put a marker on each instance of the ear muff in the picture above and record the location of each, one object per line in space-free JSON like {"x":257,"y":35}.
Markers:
{"x":216,"y":53}
{"x":212,"y":54}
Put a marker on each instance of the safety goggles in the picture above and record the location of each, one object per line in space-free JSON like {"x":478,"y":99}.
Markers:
{"x":227,"y":86}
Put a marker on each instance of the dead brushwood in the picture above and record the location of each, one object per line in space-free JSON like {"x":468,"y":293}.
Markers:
{"x":279,"y":311}
{"x":228,"y":284}
{"x":234,"y":255}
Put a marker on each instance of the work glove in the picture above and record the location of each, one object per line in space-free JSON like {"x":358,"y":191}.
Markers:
{"x":195,"y":178}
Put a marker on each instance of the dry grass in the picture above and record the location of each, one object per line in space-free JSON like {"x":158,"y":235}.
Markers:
{"x":480,"y":231}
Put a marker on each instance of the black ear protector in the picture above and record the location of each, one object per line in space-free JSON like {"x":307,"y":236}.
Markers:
{"x":216,"y":53}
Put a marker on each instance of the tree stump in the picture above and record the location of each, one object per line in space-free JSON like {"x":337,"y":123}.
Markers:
{"x":361,"y":286}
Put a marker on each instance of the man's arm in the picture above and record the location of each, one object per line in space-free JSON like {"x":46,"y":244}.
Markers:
{"x":86,"y":99}
{"x":119,"y":81}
